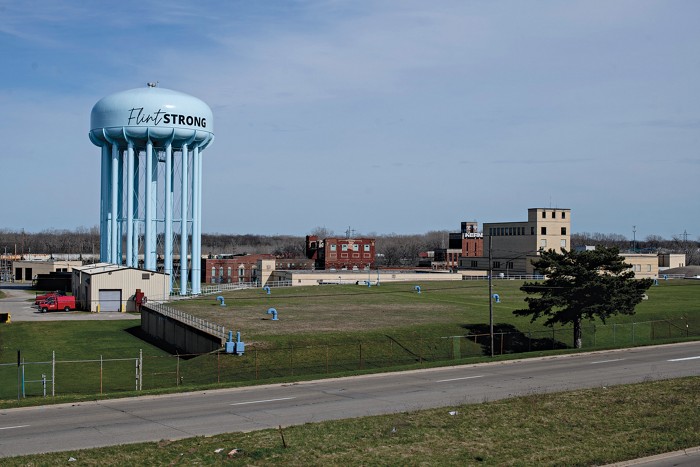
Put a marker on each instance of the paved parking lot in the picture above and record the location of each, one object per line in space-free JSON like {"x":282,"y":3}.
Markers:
{"x":19,"y":302}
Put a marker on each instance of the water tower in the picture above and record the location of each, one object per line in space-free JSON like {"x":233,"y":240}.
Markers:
{"x":151,"y":198}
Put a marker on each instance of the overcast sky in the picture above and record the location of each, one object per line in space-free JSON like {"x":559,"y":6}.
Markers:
{"x":394,"y":116}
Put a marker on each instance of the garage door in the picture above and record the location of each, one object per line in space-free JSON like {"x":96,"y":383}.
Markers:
{"x":110,"y":300}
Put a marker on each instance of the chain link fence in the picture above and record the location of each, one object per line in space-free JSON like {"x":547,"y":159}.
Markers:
{"x":142,"y":372}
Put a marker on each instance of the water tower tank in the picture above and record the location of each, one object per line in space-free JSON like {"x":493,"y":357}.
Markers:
{"x":151,"y":140}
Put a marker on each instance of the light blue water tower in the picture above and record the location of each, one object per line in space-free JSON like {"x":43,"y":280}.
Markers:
{"x":151,"y":198}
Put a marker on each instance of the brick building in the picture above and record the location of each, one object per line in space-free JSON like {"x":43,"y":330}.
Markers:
{"x":225,"y":269}
{"x":467,"y":242}
{"x":341,"y":253}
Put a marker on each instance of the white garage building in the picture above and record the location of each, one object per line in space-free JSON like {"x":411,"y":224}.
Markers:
{"x":110,"y":287}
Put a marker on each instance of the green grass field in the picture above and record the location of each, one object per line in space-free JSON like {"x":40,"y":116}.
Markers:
{"x":72,"y":341}
{"x":337,"y":312}
{"x":326,"y":330}
{"x":586,"y":427}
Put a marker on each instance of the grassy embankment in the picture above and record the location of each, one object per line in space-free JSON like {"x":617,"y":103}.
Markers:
{"x":586,"y":427}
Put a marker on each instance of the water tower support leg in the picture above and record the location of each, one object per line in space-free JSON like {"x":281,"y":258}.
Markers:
{"x":114,"y":186}
{"x":104,"y":205}
{"x":168,"y":245}
{"x":148,"y":246}
{"x":196,"y":261}
{"x":130,"y":205}
{"x":183,"y":223}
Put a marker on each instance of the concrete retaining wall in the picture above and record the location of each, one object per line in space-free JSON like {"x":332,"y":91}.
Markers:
{"x":182,"y":336}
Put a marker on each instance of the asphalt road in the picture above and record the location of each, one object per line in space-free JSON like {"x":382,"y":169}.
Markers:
{"x":19,"y":302}
{"x":91,"y":424}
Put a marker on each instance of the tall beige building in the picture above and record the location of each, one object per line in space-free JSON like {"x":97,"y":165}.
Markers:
{"x":514,"y":245}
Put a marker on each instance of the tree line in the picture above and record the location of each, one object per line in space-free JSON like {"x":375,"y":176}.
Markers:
{"x":392,"y":249}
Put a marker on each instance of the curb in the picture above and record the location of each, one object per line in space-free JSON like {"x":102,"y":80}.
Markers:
{"x":658,"y":457}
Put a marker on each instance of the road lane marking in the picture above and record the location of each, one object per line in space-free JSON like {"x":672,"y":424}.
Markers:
{"x":608,"y":361}
{"x":266,"y":400}
{"x":13,"y":427}
{"x":459,"y":379}
{"x":683,"y":359}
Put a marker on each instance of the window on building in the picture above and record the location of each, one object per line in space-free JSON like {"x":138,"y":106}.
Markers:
{"x":563,"y":243}
{"x":509,"y":265}
{"x":496,"y":264}
{"x":554,"y":215}
{"x":355,"y":247}
{"x":543,"y":230}
{"x":543,"y":243}
{"x":366,"y":246}
{"x":544,"y":214}
{"x":344,"y":247}
{"x":221,"y":271}
{"x":563,"y":215}
{"x":213,"y":273}
{"x":648,"y":267}
{"x":637,"y":268}
{"x":475,"y":264}
{"x":532,"y":231}
{"x":228,"y":271}
{"x":332,"y":246}
{"x":563,"y":230}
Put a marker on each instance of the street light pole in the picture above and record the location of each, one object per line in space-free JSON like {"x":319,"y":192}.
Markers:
{"x":490,"y":296}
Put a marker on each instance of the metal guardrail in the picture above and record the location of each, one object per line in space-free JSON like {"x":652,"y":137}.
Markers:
{"x":525,"y":277}
{"x":539,"y":277}
{"x":186,"y":318}
{"x":671,"y":276}
{"x":218,"y":288}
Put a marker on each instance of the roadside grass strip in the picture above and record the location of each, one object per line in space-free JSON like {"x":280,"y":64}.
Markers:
{"x":585,"y":427}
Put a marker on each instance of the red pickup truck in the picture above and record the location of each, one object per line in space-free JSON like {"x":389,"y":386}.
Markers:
{"x":58,"y":302}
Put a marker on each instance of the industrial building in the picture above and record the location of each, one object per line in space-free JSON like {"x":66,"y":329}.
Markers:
{"x":515,"y":245}
{"x":468,"y":242}
{"x":341,"y":253}
{"x":644,"y":265}
{"x":104,"y":287}
{"x":26,"y":271}
{"x":373,"y":276}
{"x":671,"y":260}
{"x":226,"y":269}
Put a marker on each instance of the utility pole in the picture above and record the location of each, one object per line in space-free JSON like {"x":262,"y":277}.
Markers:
{"x":490,"y":295}
{"x":634,"y":238}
